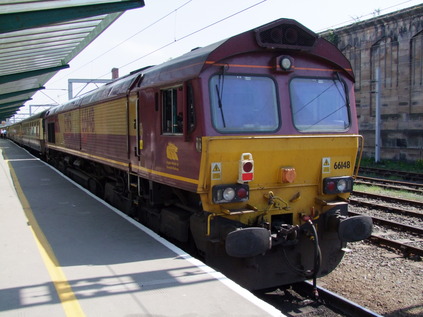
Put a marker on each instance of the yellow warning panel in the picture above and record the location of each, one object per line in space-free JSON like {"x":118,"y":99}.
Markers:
{"x":326,"y":165}
{"x":216,"y":171}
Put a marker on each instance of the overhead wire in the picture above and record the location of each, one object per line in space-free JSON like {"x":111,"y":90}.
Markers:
{"x":359,"y":19}
{"x":174,"y":11}
{"x":127,"y":39}
{"x":194,"y":32}
{"x":55,"y":102}
{"x":170,"y":43}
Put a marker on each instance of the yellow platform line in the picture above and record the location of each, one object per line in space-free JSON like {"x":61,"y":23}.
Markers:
{"x":68,"y":299}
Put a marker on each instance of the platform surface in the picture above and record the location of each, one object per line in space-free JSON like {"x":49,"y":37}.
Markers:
{"x":65,"y":253}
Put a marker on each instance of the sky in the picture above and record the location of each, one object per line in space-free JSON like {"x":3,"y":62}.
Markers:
{"x":165,"y":29}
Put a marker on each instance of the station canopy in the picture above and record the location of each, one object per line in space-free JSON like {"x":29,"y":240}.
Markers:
{"x":39,"y":38}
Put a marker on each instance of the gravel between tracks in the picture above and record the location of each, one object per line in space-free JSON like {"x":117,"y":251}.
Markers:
{"x":379,"y":279}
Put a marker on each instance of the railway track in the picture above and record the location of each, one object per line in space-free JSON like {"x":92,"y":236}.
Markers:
{"x":415,"y":188}
{"x":302,"y":299}
{"x":334,"y":300}
{"x":393,"y":224}
{"x":406,"y":249}
{"x":407,"y":176}
{"x":386,"y":203}
{"x":380,"y":208}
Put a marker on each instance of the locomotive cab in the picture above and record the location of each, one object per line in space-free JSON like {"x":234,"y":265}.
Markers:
{"x":279,"y":157}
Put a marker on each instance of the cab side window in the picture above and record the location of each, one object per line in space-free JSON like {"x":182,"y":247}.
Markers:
{"x":172,"y":114}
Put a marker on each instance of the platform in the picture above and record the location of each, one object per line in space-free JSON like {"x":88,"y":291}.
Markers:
{"x":66,"y":253}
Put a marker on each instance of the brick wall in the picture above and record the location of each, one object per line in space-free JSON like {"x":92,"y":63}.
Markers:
{"x":393,"y":43}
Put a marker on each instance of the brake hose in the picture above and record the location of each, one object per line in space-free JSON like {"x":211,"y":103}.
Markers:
{"x":317,"y":258}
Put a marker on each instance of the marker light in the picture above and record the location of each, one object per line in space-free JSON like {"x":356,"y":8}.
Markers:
{"x":230,"y":193}
{"x":287,"y":174}
{"x":246,"y":168}
{"x":330,"y":186}
{"x":242,"y":193}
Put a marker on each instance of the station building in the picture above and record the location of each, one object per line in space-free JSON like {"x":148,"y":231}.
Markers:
{"x":392,"y":43}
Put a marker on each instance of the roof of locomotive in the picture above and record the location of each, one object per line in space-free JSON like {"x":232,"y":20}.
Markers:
{"x":115,"y":88}
{"x":283,"y":35}
{"x":39,"y":115}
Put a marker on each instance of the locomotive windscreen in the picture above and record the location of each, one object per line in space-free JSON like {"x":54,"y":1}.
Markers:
{"x":319,"y":105}
{"x":244,"y":103}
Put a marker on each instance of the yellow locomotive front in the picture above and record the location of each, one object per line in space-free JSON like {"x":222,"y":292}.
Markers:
{"x":278,"y":161}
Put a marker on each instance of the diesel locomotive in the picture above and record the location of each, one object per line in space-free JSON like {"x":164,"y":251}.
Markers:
{"x":245,"y":150}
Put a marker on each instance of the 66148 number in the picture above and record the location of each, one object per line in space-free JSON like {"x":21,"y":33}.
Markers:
{"x":341,"y":165}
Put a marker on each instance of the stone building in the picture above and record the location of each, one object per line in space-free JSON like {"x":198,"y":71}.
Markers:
{"x":392,"y":43}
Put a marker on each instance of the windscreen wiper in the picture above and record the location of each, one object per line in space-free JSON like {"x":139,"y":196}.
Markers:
{"x":219,"y":99}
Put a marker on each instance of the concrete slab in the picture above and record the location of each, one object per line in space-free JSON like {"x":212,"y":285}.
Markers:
{"x":87,"y":258}
{"x":26,"y":288}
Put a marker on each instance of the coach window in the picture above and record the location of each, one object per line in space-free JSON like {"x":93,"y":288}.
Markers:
{"x":172,"y":114}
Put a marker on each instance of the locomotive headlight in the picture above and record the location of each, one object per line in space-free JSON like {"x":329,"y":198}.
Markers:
{"x":285,"y":63}
{"x":228,"y":194}
{"x":342,"y":185}
{"x":336,"y":185}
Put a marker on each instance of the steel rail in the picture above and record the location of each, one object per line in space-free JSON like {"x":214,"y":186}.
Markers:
{"x":405,"y":248}
{"x":389,"y":184}
{"x":411,"y":213}
{"x":392,"y":224}
{"x":334,"y":301}
{"x":418,"y":177}
{"x":395,"y":200}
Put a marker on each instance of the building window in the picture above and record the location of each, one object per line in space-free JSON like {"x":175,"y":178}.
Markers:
{"x":417,"y":61}
{"x":384,"y":56}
